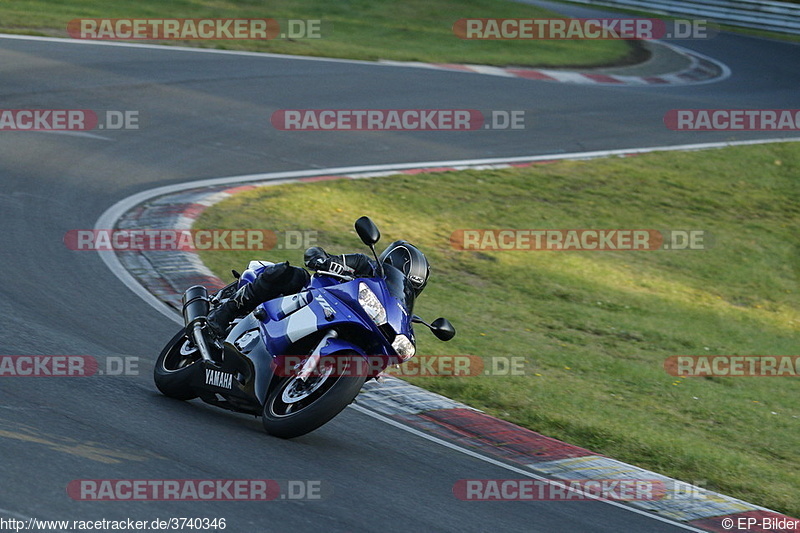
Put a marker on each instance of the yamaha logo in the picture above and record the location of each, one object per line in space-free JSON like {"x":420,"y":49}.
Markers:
{"x":219,"y":379}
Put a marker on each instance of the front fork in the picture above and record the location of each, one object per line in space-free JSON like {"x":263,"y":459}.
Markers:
{"x":200,"y":341}
{"x":310,"y":366}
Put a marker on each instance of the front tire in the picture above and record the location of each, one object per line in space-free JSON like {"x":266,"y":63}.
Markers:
{"x":294,"y":408}
{"x":174,"y":368}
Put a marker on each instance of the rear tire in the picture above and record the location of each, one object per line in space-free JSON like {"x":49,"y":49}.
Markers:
{"x":293,"y":409}
{"x":174,"y":368}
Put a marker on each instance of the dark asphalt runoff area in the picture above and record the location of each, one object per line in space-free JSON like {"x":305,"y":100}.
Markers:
{"x":205,"y":115}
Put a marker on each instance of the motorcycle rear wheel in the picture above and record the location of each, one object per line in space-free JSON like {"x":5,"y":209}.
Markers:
{"x":173,"y":370}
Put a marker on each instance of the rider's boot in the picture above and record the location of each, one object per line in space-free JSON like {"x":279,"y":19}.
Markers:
{"x":273,"y":281}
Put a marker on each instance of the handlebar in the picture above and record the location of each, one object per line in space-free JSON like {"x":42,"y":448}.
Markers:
{"x":335,"y":275}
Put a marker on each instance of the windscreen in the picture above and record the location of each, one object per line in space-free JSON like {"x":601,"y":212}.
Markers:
{"x":399,"y":287}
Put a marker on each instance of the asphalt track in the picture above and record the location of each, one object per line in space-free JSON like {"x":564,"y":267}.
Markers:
{"x":205,"y":115}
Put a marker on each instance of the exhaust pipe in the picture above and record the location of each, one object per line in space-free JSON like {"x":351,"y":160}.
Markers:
{"x":195,"y":313}
{"x":195,"y":305}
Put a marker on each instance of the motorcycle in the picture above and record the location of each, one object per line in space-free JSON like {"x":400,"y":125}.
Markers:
{"x":298,"y":360}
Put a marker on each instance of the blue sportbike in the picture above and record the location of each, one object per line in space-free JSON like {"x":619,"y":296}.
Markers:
{"x":297,"y":360}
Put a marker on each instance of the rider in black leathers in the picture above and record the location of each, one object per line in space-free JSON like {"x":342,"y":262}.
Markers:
{"x":282,"y":279}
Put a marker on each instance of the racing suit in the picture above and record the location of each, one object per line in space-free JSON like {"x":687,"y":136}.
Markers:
{"x":282,"y":279}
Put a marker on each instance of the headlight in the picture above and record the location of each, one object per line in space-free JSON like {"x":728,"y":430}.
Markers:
{"x":404,"y":347}
{"x":371,"y":304}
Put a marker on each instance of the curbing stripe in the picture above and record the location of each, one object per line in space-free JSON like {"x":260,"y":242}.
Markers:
{"x":393,"y":397}
{"x":494,"y":436}
{"x":702,"y":69}
{"x":683,"y":501}
{"x":531,"y":74}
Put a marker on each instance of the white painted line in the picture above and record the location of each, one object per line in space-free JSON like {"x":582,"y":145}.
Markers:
{"x":633,"y":80}
{"x":726,"y":71}
{"x":108,"y":220}
{"x":112,"y":262}
{"x":76,"y":134}
{"x":514,"y":469}
{"x":491,"y":71}
{"x":15,"y":515}
{"x":568,"y":77}
{"x":414,"y":64}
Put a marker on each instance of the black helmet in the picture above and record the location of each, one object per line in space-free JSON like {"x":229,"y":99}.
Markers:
{"x":407,"y":258}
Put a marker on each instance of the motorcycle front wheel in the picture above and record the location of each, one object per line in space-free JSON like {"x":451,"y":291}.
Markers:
{"x":295,"y":407}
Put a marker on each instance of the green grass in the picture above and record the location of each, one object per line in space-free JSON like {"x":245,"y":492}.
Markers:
{"x":596,"y":327}
{"x":411,"y":30}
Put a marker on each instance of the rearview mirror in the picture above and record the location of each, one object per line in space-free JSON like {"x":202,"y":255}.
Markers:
{"x":368,"y":231}
{"x":443,"y":329}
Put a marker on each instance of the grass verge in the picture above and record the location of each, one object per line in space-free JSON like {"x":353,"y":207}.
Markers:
{"x":412,"y":30}
{"x":596,"y":327}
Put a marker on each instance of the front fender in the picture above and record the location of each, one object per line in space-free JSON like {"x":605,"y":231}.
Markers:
{"x":341,"y":345}
{"x":375,"y":363}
